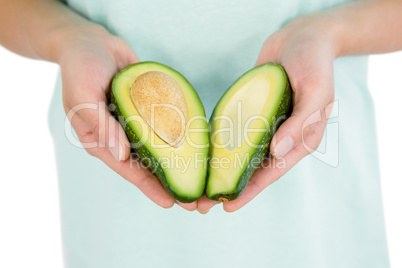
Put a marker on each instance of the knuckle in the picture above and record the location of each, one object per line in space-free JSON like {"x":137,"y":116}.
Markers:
{"x":314,"y":136}
{"x":91,"y":151}
{"x":302,"y":151}
{"x":97,"y":128}
{"x":275,"y":39}
{"x":117,"y":42}
{"x":120,"y":169}
{"x":331,"y":98}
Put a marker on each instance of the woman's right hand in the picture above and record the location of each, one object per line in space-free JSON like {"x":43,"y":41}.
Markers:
{"x":88,"y":64}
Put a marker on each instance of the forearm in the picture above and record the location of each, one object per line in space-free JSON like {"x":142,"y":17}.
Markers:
{"x":41,"y":28}
{"x":361,"y":27}
{"x":365,"y":27}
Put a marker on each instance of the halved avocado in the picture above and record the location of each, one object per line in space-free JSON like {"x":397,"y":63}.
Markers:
{"x":165,"y":123}
{"x":242,"y":126}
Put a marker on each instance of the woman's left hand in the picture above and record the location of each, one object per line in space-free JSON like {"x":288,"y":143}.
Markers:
{"x":306,"y":49}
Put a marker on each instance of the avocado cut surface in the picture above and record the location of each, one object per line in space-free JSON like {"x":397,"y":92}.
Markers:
{"x":242,"y":126}
{"x":165,"y":123}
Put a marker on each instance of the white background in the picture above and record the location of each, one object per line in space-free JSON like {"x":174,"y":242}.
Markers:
{"x":29,"y":206}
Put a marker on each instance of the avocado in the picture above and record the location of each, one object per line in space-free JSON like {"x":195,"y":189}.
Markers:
{"x":242,"y":126}
{"x":165,"y":123}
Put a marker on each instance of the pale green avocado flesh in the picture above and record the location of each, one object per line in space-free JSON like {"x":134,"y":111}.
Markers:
{"x":242,"y":126}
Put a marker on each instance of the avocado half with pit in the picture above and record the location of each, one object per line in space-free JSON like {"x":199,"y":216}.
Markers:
{"x":165,"y":123}
{"x":242,"y":126}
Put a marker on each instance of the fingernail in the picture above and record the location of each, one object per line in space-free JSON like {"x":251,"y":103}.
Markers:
{"x":120,"y":152}
{"x":203,"y":211}
{"x":116,"y":149}
{"x":283,"y":146}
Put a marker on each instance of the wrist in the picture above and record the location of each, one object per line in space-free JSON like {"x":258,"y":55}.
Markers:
{"x":56,"y":42}
{"x":324,"y":28}
{"x":335,"y":28}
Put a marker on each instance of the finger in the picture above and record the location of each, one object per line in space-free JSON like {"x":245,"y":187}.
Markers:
{"x":130,"y":169}
{"x":107,"y":131}
{"x":312,"y":106}
{"x":188,"y":206}
{"x":272,"y":169}
{"x":204,"y":204}
{"x":270,"y":50}
{"x":124,"y":54}
{"x":135,"y":172}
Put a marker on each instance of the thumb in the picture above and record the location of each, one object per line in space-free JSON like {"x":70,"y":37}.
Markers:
{"x":108,"y":132}
{"x":306,"y":124}
{"x":270,"y":49}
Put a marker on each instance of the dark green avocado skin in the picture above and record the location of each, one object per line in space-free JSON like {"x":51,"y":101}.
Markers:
{"x":283,"y":112}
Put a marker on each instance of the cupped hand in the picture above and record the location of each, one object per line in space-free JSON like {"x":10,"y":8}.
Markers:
{"x":88,"y":65}
{"x":306,"y":49}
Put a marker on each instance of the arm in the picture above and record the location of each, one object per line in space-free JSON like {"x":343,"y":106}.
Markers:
{"x":307,"y":47}
{"x":89,"y":57}
{"x":367,"y":27}
{"x":41,"y":29}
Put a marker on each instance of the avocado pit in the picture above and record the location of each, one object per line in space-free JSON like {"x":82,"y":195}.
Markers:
{"x":160,"y":101}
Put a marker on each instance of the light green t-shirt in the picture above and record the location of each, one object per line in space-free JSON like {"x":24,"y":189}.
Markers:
{"x":326,"y":212}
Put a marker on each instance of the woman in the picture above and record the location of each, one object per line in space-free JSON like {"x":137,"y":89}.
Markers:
{"x":324,"y":212}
